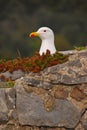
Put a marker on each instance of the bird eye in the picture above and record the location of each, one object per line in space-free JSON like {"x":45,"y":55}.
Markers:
{"x":44,"y":30}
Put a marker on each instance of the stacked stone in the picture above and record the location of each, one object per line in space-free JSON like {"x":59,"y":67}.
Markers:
{"x":54,"y":99}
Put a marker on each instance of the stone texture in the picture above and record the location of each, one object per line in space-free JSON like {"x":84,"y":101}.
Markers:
{"x":60,"y":93}
{"x":84,"y":120}
{"x":15,"y":75}
{"x":70,"y":73}
{"x":54,"y":99}
{"x":11,"y":97}
{"x":77,"y":94}
{"x":79,"y":127}
{"x":37,"y":81}
{"x":3,"y":107}
{"x":31,"y":111}
{"x":18,"y":127}
{"x":11,"y":103}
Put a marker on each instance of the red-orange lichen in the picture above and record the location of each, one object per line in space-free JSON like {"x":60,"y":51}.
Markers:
{"x":35,"y":63}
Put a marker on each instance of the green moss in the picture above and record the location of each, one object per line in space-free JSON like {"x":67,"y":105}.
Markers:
{"x":10,"y":84}
{"x":80,"y":48}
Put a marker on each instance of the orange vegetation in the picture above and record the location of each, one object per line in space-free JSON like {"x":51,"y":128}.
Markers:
{"x":35,"y":63}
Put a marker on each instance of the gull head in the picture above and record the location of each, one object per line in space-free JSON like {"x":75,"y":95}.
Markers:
{"x":47,"y":37}
{"x":43,"y":33}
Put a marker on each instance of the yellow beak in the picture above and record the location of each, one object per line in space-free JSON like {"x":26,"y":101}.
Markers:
{"x":34,"y":34}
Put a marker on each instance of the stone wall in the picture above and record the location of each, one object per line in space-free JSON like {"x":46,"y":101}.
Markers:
{"x":54,"y":99}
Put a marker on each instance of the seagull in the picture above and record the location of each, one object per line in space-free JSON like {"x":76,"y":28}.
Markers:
{"x":47,"y":37}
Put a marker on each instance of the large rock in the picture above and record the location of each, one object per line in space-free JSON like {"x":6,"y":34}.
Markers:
{"x":31,"y":108}
{"x":72,"y":72}
{"x":3,"y":106}
{"x":55,"y":98}
{"x":38,"y":102}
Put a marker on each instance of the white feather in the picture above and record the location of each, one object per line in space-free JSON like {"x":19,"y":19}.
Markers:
{"x":47,"y":37}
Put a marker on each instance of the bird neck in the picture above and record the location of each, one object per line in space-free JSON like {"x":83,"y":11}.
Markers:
{"x":48,"y":41}
{"x":47,"y":44}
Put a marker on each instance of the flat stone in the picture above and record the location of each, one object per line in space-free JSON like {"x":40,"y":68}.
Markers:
{"x":31,"y":111}
{"x":68,"y":52}
{"x":14,"y":75}
{"x":11,"y":97}
{"x":84,"y":120}
{"x":60,"y":93}
{"x":3,"y":107}
{"x":77,"y":94}
{"x":37,"y":82}
{"x":17,"y":74}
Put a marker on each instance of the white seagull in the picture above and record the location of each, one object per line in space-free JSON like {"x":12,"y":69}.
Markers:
{"x":47,"y":37}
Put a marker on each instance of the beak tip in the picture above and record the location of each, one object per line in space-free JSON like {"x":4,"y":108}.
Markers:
{"x":33,"y":34}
